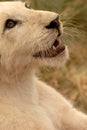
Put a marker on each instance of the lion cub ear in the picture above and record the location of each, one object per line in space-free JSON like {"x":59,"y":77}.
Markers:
{"x":27,"y":4}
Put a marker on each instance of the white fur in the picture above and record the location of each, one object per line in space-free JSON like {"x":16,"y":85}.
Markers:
{"x":25,"y":102}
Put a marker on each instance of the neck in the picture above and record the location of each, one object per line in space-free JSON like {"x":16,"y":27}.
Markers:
{"x":20,"y":89}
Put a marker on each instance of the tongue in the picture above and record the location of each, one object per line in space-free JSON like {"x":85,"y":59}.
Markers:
{"x":60,"y":49}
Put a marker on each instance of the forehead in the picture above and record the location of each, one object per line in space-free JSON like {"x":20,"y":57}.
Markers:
{"x":11,"y":7}
{"x":12,"y":4}
{"x":16,"y":8}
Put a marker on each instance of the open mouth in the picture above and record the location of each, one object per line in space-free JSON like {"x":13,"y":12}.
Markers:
{"x":56,"y":49}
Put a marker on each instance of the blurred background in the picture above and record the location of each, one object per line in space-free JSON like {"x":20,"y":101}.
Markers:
{"x":70,"y":81}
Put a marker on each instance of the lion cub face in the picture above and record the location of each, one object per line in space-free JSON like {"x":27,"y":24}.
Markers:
{"x":29,"y":37}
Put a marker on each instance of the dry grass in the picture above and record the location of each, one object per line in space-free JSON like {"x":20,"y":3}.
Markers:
{"x":71,"y":81}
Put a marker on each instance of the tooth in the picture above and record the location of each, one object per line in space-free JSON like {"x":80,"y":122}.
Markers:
{"x":54,"y":48}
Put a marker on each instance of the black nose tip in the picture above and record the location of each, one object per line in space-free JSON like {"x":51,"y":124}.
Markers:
{"x":55,"y":24}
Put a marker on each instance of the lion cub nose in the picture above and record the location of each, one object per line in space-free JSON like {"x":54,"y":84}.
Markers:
{"x":55,"y":24}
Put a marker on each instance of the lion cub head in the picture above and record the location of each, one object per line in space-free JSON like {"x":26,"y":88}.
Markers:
{"x":29,"y":38}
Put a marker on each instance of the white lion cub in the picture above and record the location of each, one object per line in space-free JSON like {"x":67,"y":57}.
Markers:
{"x":28,"y":40}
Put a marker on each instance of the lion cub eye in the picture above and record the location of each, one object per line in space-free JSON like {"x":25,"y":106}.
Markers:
{"x":10,"y":23}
